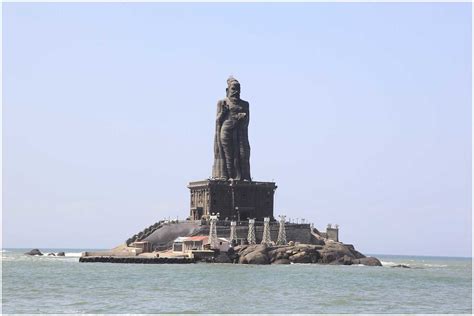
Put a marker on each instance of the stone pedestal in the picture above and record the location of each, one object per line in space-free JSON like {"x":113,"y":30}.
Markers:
{"x":236,"y":200}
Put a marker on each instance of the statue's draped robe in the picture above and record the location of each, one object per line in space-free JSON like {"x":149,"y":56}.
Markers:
{"x":231,"y":143}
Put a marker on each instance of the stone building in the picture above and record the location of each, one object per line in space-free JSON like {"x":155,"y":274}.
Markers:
{"x":236,"y":200}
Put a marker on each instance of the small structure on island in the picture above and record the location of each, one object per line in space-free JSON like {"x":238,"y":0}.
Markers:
{"x":142,"y":246}
{"x":214,"y":243}
{"x":233,"y":231}
{"x":187,"y":244}
{"x":282,"y":232}
{"x":198,"y":243}
{"x":332,"y":232}
{"x":266,"y":239}
{"x":251,"y":235}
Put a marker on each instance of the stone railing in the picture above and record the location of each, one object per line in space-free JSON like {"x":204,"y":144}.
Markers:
{"x":144,"y":233}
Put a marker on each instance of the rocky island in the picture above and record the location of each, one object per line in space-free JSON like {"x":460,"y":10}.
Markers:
{"x":329,"y":253}
{"x":231,"y":217}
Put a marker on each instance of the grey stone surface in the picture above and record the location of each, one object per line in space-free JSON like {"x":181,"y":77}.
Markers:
{"x":34,"y":252}
{"x":367,"y":261}
{"x":257,"y":258}
{"x":164,"y":236}
{"x":252,"y":254}
{"x":231,"y":142}
{"x":333,"y":253}
{"x":232,"y":199}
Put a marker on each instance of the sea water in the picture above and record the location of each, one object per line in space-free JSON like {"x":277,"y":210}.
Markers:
{"x":45,"y":284}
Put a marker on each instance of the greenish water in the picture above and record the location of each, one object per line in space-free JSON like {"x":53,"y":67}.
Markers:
{"x":63,"y":285}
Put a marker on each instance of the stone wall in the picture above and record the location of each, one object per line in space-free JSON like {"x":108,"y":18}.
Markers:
{"x":294,"y":232}
{"x":231,"y":199}
{"x":162,"y":238}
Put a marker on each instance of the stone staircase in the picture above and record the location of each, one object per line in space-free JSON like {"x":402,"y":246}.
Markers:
{"x":144,"y":233}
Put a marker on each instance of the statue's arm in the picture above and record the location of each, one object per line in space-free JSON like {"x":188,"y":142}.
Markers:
{"x":247,"y":114}
{"x":220,"y":112}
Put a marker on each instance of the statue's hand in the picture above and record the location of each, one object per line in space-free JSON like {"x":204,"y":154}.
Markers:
{"x":241,"y":116}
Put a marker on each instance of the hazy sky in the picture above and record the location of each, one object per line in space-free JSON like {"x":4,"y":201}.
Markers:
{"x":360,"y":112}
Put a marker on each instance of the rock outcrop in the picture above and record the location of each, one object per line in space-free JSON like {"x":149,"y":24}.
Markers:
{"x":400,"y":266}
{"x":34,"y":252}
{"x":330,"y":253}
{"x":367,"y":261}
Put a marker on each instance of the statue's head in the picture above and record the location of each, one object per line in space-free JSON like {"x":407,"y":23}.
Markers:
{"x":233,"y":88}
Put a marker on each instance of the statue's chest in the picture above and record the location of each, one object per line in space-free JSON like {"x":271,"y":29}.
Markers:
{"x":235,"y":108}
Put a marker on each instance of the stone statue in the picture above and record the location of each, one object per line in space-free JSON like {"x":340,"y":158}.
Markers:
{"x":231,"y":142}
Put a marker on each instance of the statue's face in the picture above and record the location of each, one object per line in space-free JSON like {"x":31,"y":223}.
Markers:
{"x":234,"y":90}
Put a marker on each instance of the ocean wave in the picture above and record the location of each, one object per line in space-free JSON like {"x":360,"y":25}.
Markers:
{"x":3,"y":250}
{"x":394,"y":264}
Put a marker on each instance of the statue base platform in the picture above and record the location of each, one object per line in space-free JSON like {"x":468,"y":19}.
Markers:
{"x":232,"y":199}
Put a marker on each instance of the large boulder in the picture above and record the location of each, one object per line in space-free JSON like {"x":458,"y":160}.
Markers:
{"x":356,"y":254}
{"x":257,"y":257}
{"x":331,"y":252}
{"x":60,"y":254}
{"x":252,"y":254}
{"x":334,"y":252}
{"x":279,"y":253}
{"x":243,"y":260}
{"x":303,"y":253}
{"x":300,"y":257}
{"x":253,"y":248}
{"x":367,"y":261}
{"x":34,"y":252}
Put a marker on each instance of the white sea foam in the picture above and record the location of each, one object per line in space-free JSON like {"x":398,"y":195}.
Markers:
{"x":435,"y":265}
{"x":413,"y":264}
{"x":392,"y":264}
{"x":72,"y":254}
{"x":66,"y":254}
